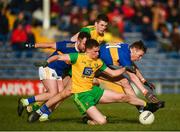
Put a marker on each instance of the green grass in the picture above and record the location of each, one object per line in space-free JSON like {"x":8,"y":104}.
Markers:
{"x":121,"y":117}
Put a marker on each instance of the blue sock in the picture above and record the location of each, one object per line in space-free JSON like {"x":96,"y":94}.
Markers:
{"x":31,"y":99}
{"x":44,"y":109}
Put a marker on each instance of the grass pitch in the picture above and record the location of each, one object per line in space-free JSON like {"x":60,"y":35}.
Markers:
{"x":121,"y":117}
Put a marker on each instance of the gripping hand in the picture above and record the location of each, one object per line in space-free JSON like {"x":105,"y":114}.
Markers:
{"x":42,"y":63}
{"x":29,"y":45}
{"x":150,"y":85}
{"x":130,"y":69}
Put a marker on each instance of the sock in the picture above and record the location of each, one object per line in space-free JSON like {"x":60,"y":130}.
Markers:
{"x":36,"y":105}
{"x":145,"y":103}
{"x":45,"y":109}
{"x":31,"y":99}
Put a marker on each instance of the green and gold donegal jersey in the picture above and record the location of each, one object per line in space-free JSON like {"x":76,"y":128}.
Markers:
{"x":83,"y":71}
{"x":94,"y":34}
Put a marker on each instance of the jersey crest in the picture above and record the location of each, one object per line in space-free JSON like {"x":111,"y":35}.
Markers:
{"x":87,"y":71}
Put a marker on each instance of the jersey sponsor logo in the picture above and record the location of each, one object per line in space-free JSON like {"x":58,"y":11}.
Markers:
{"x":87,"y":71}
{"x":70,"y":45}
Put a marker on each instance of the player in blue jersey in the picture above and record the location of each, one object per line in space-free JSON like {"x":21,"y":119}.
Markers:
{"x":51,"y":76}
{"x":116,"y":55}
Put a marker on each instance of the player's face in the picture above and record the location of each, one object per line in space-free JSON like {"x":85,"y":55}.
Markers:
{"x":101,"y":26}
{"x":81,"y":45}
{"x":93,"y":53}
{"x":136,"y":54}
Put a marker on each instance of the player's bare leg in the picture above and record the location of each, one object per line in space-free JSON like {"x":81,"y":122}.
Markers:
{"x":67,"y":84}
{"x":97,"y":118}
{"x":52,"y":87}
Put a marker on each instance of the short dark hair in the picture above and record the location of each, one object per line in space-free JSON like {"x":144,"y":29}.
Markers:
{"x":90,"y":43}
{"x":84,"y":35}
{"x":102,"y":17}
{"x":139,"y":45}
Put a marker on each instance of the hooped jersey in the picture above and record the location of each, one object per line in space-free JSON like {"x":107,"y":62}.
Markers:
{"x":93,"y":32}
{"x":115,"y":54}
{"x":63,"y":47}
{"x":83,"y":71}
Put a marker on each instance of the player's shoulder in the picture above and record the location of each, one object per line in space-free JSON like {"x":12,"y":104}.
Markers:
{"x":115,"y":44}
{"x":65,"y":42}
{"x":90,"y":27}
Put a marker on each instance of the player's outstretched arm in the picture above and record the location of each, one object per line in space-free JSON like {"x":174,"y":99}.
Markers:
{"x":115,"y":73}
{"x":64,"y":57}
{"x":139,"y":74}
{"x":41,"y":45}
{"x":143,"y":80}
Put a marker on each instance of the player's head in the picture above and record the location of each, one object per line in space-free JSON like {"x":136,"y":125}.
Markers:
{"x":82,"y":38}
{"x":92,"y":48}
{"x":101,"y":23}
{"x":138,"y":49}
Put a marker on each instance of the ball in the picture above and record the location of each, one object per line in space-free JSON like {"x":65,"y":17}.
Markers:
{"x":146,"y":118}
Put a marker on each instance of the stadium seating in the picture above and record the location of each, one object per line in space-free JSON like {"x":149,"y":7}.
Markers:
{"x":155,"y":66}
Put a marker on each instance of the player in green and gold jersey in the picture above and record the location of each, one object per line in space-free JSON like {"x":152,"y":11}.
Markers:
{"x":97,"y":30}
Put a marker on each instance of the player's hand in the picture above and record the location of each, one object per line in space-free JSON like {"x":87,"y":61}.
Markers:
{"x":42,"y":63}
{"x":29,"y":45}
{"x":130,"y":69}
{"x":150,"y":85}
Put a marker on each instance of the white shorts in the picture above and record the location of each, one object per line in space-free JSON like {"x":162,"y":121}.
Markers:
{"x":48,"y":73}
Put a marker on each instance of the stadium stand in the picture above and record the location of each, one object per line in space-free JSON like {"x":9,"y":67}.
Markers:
{"x":160,"y":65}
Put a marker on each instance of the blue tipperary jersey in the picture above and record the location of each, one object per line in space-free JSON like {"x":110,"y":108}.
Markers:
{"x":63,"y":47}
{"x":116,"y":54}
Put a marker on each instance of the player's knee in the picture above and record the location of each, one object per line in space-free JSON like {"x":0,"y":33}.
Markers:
{"x":52,"y":94}
{"x":102,"y":121}
{"x":68,"y":92}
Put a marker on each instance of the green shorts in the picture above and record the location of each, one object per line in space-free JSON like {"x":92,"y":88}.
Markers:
{"x":87,"y":99}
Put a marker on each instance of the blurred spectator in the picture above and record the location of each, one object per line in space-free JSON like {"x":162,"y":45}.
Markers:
{"x":18,"y":38}
{"x":20,"y":19}
{"x":30,"y":39}
{"x":93,"y":15}
{"x":174,"y":16}
{"x":64,"y":21}
{"x":74,"y":26}
{"x":159,"y":15}
{"x":56,"y":11}
{"x":103,"y":5}
{"x":147,"y":32}
{"x":4,"y":26}
{"x":16,"y":6}
{"x":164,"y":38}
{"x":137,"y":18}
{"x":30,"y":34}
{"x":127,"y":9}
{"x":117,"y":19}
{"x":75,"y":14}
{"x":175,"y":38}
{"x":81,"y":3}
